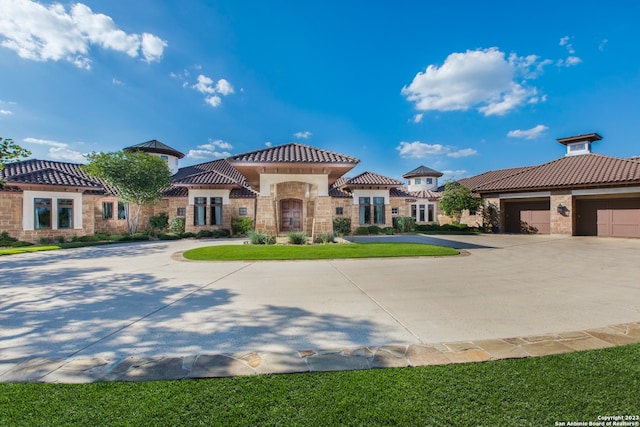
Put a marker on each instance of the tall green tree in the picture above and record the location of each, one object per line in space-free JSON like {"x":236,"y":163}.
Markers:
{"x":456,"y":198}
{"x":138,"y":178}
{"x":9,"y":150}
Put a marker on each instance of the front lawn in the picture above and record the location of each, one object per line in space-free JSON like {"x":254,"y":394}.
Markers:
{"x":575,"y":387}
{"x":301,"y":252}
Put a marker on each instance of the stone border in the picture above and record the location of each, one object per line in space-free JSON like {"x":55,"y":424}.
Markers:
{"x":87,"y":370}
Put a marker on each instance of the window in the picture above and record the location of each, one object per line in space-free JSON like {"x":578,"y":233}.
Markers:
{"x":165,"y":158}
{"x":339,"y":211}
{"x":409,"y":181}
{"x":578,"y":147}
{"x":431,"y":213}
{"x":216,"y":211}
{"x":65,"y":213}
{"x":394,"y":211}
{"x":414,"y":211}
{"x":365,"y":210}
{"x":42,"y":209}
{"x":107,"y":210}
{"x":421,"y":216}
{"x":181,"y":212}
{"x":242,"y":211}
{"x":122,"y":211}
{"x":200,"y":211}
{"x":418,"y":181}
{"x":429,"y":180}
{"x":378,"y":210}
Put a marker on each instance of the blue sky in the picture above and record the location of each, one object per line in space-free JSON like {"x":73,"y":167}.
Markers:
{"x":461,"y":87}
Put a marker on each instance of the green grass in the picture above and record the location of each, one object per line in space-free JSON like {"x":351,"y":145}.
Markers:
{"x":525,"y":392}
{"x":23,"y":249}
{"x":332,"y":251}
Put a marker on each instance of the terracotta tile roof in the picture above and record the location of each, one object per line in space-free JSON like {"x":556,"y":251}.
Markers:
{"x":221,"y":167}
{"x":206,"y":177}
{"x":426,"y":194}
{"x":292,"y":152}
{"x":174,"y":191}
{"x":422,"y":171}
{"x":156,"y":147}
{"x":400,"y":192}
{"x":48,"y":172}
{"x":243,"y":193}
{"x":571,"y":171}
{"x":487,"y":177}
{"x":370,"y":178}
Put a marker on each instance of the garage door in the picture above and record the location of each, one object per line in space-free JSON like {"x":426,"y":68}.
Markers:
{"x":608,"y":217}
{"x":528,"y":217}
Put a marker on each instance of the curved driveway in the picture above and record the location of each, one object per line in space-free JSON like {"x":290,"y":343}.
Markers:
{"x":139,"y":300}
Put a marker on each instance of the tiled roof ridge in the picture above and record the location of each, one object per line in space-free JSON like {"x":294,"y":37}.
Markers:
{"x":390,"y":181}
{"x":422,"y":171}
{"x":516,"y":171}
{"x":257,"y":155}
{"x":201,"y":173}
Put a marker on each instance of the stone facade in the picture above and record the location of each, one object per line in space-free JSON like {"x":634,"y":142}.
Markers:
{"x":562,"y":220}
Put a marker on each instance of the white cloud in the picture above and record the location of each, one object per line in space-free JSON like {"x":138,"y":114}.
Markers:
{"x":116,"y":82}
{"x":43,"y":33}
{"x":571,"y":59}
{"x":483,"y":79}
{"x":206,"y":85}
{"x":465,"y":152}
{"x":418,"y":118}
{"x":211,"y":150}
{"x":5,"y":112}
{"x":268,"y":144}
{"x":420,"y":150}
{"x":224,"y":87}
{"x":58,"y":150}
{"x":303,"y":135}
{"x":533,"y":133}
{"x":602,"y":44}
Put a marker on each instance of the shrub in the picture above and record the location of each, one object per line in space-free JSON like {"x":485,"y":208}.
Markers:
{"x":159,"y":221}
{"x":374,"y":229}
{"x":102,"y":236}
{"x":187,"y":235}
{"x":168,"y":236}
{"x":20,"y":244}
{"x":325,"y":238}
{"x":297,"y":237}
{"x":6,"y":240}
{"x":362,"y":231}
{"x":75,"y":238}
{"x":389,"y":230}
{"x":123,"y":238}
{"x":404,"y":224}
{"x":176,"y":225}
{"x":221,"y":232}
{"x":241,"y":225}
{"x":138,"y":237}
{"x":88,"y":239}
{"x":60,"y":239}
{"x":342,"y":226}
{"x":204,"y":234}
{"x":258,"y":238}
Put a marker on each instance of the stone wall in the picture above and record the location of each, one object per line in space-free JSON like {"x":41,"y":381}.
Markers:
{"x":562,"y":210}
{"x":11,"y":213}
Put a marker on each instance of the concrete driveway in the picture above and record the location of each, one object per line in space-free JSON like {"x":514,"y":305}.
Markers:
{"x":139,"y":300}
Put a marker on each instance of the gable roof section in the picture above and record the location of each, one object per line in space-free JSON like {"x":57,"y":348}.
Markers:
{"x":422,"y":171}
{"x":46,"y":172}
{"x":156,"y":146}
{"x":220,"y":167}
{"x":587,"y":170}
{"x":370,"y":178}
{"x":484,"y":178}
{"x":292,"y":153}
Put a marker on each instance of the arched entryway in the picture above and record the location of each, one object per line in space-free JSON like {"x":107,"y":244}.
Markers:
{"x":290,"y":215}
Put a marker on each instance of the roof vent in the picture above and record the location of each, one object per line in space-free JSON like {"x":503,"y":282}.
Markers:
{"x":580,"y":144}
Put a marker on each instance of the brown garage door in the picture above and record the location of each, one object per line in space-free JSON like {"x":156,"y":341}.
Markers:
{"x":608,"y":217}
{"x":528,"y":217}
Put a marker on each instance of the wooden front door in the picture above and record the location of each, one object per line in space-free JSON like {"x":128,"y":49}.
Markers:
{"x":291,"y":215}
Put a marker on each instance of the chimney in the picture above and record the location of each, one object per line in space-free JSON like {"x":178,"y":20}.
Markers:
{"x":580,"y":144}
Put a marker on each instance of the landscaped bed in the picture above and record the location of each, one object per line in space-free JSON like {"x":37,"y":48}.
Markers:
{"x":303,"y":252}
{"x":576,"y":387}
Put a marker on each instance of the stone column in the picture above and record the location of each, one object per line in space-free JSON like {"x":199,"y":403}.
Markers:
{"x":266,"y":215}
{"x":562,"y":212}
{"x":323,"y":215}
